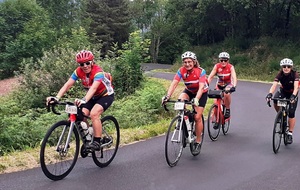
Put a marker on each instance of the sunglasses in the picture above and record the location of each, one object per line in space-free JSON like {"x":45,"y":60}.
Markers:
{"x":224,"y":60}
{"x":286,"y":66}
{"x":86,"y":63}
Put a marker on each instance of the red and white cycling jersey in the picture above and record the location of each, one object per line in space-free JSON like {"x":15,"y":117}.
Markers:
{"x":192,"y":78}
{"x":97,"y":74}
{"x":224,"y":74}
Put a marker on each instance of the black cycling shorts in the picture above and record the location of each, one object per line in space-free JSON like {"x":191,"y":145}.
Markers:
{"x":283,"y":94}
{"x":104,"y":101}
{"x":203,"y":99}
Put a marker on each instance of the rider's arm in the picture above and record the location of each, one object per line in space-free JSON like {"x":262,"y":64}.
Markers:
{"x":172,"y":87}
{"x":296,"y":86}
{"x":200,"y":91}
{"x":273,"y":87}
{"x":90,"y":93}
{"x":233,"y":75}
{"x":212,"y":74}
{"x":65,"y":88}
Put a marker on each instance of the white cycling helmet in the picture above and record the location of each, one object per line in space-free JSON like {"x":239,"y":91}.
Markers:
{"x":188,"y":54}
{"x":224,"y":55}
{"x":286,"y":61}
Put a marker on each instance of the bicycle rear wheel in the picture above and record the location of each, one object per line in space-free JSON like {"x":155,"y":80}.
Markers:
{"x":192,"y":145}
{"x":225,"y":126}
{"x":174,"y":142}
{"x":277,"y":132}
{"x":57,"y":163}
{"x":213,"y":125}
{"x":110,"y":142}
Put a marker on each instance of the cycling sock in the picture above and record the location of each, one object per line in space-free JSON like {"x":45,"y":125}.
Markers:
{"x":290,"y":133}
{"x":97,"y":139}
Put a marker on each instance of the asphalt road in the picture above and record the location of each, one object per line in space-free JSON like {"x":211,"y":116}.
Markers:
{"x":242,"y":160}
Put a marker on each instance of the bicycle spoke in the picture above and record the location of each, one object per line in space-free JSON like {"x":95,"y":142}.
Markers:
{"x":173,"y":144}
{"x":277,"y":132}
{"x":225,"y":126}
{"x":58,"y":159}
{"x":212,"y":125}
{"x":110,"y":142}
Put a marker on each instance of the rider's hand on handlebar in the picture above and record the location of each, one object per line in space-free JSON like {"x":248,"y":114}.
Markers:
{"x":196,"y":101}
{"x":292,"y":98}
{"x":165,"y":99}
{"x":232,"y":89}
{"x":79,"y":102}
{"x":269,"y":96}
{"x":51,"y":99}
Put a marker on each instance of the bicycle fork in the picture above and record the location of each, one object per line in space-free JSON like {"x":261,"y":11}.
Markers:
{"x":179,"y":129}
{"x":72,"y":118}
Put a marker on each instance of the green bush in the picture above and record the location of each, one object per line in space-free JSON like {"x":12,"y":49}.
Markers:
{"x":127,"y":74}
{"x":141,"y":108}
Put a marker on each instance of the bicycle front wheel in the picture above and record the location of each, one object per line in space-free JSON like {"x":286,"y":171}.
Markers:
{"x":277,"y":132}
{"x":174,"y":142}
{"x":213,"y":125}
{"x":110,"y":142}
{"x":56,"y":157}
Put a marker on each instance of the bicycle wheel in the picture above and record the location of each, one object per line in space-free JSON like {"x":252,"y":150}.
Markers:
{"x":277,"y":132}
{"x":55,"y":162}
{"x":213,"y":125}
{"x":192,"y":145}
{"x":174,"y":142}
{"x":110,"y":143}
{"x":285,"y":130}
{"x":225,"y":126}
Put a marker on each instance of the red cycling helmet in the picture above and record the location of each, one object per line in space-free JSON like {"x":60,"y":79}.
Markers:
{"x":84,"y":56}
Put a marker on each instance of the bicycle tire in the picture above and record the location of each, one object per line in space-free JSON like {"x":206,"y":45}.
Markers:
{"x":192,"y":145}
{"x":213,"y":127}
{"x":277,"y":132}
{"x":173,"y":154}
{"x":111,"y":134}
{"x":285,"y":130}
{"x":225,"y":126}
{"x":55,"y":163}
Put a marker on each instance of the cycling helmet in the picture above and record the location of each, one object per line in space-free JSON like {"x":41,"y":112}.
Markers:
{"x":84,"y":56}
{"x":286,"y":61}
{"x":188,"y":54}
{"x":224,"y":55}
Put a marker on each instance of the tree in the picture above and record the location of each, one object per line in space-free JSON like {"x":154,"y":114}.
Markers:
{"x":64,"y":14}
{"x":25,"y":32}
{"x":108,"y":22}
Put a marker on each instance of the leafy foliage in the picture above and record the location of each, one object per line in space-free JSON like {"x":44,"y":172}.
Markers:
{"x":141,"y":108}
{"x":25,"y":32}
{"x":127,"y":73}
{"x":109,"y":26}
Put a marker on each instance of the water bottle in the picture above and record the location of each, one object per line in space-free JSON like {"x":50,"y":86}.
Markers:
{"x":189,"y":128}
{"x":85,"y":130}
{"x":91,"y":132}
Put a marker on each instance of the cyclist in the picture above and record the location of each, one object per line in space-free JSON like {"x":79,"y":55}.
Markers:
{"x":226,"y":79}
{"x":99,"y":95}
{"x":289,"y":80}
{"x":196,"y":88}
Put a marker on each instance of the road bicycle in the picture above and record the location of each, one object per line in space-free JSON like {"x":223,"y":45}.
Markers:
{"x":61,"y":144}
{"x":216,"y":119}
{"x":281,"y":127}
{"x":181,"y":131}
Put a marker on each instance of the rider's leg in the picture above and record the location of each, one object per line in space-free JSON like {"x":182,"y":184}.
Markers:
{"x":198,"y":123}
{"x":292,"y":122}
{"x":95,"y":117}
{"x":227,"y":100}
